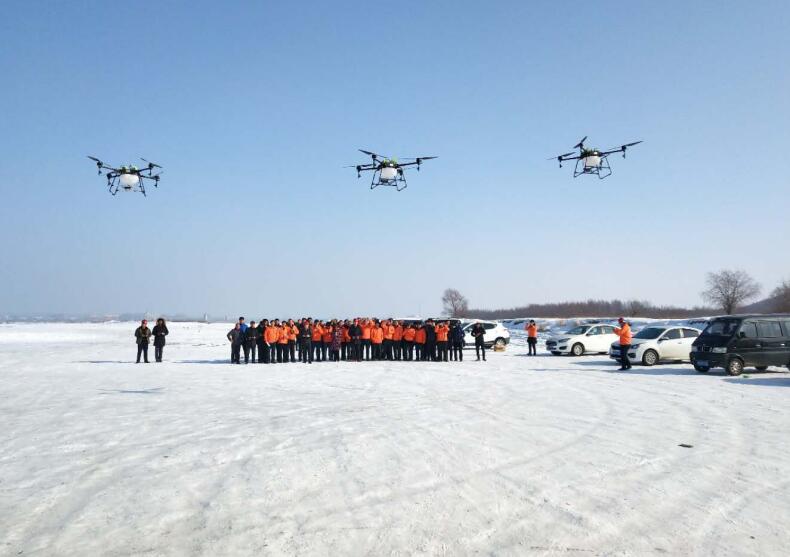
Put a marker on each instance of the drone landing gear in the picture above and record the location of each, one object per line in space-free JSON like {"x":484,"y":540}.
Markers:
{"x":602,"y":170}
{"x":399,"y":182}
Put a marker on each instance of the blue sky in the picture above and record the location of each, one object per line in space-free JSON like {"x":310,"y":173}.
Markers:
{"x":253,"y":108}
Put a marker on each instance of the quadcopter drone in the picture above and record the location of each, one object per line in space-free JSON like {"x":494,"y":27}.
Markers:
{"x":592,"y":161}
{"x":387,"y":171}
{"x":128,"y":178}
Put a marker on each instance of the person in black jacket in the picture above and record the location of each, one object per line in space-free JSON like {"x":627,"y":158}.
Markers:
{"x":251,"y":342}
{"x":236,"y":338}
{"x":355,"y":332}
{"x":306,"y":341}
{"x":160,"y":332}
{"x":142,"y":334}
{"x":478,"y":332}
{"x":429,"y":350}
{"x":457,"y":342}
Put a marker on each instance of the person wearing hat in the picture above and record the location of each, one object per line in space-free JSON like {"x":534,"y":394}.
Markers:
{"x":532,"y":337}
{"x":624,"y":331}
{"x":160,"y":332}
{"x":142,"y":334}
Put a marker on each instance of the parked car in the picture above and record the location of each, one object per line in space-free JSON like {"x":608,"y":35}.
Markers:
{"x":738,"y":341}
{"x":496,"y":334}
{"x":656,"y":344}
{"x":582,"y":339}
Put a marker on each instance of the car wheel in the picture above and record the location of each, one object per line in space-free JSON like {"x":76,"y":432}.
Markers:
{"x":650,"y":358}
{"x":701,"y":369}
{"x":577,"y":349}
{"x":735,"y":366}
{"x":760,"y":368}
{"x":500,"y":343}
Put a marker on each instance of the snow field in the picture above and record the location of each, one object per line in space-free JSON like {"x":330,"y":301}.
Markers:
{"x":519,"y":455}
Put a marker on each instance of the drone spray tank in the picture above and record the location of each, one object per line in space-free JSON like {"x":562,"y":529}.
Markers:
{"x":592,"y":159}
{"x":389,"y":171}
{"x":128,"y":179}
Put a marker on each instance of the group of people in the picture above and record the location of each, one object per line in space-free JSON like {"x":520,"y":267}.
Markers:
{"x":308,"y":340}
{"x":143,"y":336}
{"x":354,"y":340}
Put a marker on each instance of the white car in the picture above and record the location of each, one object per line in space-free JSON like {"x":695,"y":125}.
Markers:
{"x":655,"y":344}
{"x":582,"y":339}
{"x":496,"y":334}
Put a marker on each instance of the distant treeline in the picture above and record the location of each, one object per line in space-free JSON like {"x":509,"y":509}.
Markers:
{"x":592,"y":308}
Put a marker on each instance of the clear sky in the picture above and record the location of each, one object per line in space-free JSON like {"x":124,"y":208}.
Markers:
{"x":253,"y":108}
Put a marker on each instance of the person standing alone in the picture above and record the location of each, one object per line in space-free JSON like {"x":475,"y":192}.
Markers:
{"x":624,"y":331}
{"x":532,"y":337}
{"x":160,"y":332}
{"x":479,"y":334}
{"x":142,"y":334}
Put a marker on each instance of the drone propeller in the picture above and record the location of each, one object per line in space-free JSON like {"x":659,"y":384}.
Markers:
{"x":580,"y":144}
{"x":420,"y":159}
{"x":622,"y":148}
{"x":150,"y":164}
{"x":99,"y":163}
{"x":373,"y":155}
{"x":561,"y":156}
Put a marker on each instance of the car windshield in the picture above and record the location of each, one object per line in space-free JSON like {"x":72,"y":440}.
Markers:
{"x":580,"y":330}
{"x":722,"y":327}
{"x":649,"y":332}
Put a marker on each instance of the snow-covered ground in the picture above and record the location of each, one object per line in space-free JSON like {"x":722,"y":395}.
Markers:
{"x":519,"y":455}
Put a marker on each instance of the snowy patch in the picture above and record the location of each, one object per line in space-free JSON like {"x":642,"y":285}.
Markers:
{"x":518,"y":455}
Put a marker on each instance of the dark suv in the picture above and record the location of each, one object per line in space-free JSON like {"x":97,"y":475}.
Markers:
{"x":737,"y":341}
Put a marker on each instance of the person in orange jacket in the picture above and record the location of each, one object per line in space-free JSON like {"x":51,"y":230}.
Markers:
{"x":397,"y":340}
{"x":624,"y":331}
{"x":367,"y":326}
{"x":442,"y":341}
{"x":282,"y":343}
{"x":345,"y":345}
{"x":419,"y":342}
{"x":409,"y":332}
{"x":318,"y":340}
{"x":292,"y":331}
{"x":532,"y":337}
{"x":389,"y":334}
{"x":326,"y":339}
{"x":376,"y":340}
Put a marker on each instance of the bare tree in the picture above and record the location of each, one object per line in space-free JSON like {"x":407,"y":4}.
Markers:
{"x":781,"y":296}
{"x":455,"y":304}
{"x":728,"y":289}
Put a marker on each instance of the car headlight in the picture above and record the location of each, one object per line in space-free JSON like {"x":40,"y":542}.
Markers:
{"x":635,"y":346}
{"x":719,"y":349}
{"x":563,"y":340}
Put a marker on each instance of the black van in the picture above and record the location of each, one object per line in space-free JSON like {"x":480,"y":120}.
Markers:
{"x":738,"y":341}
